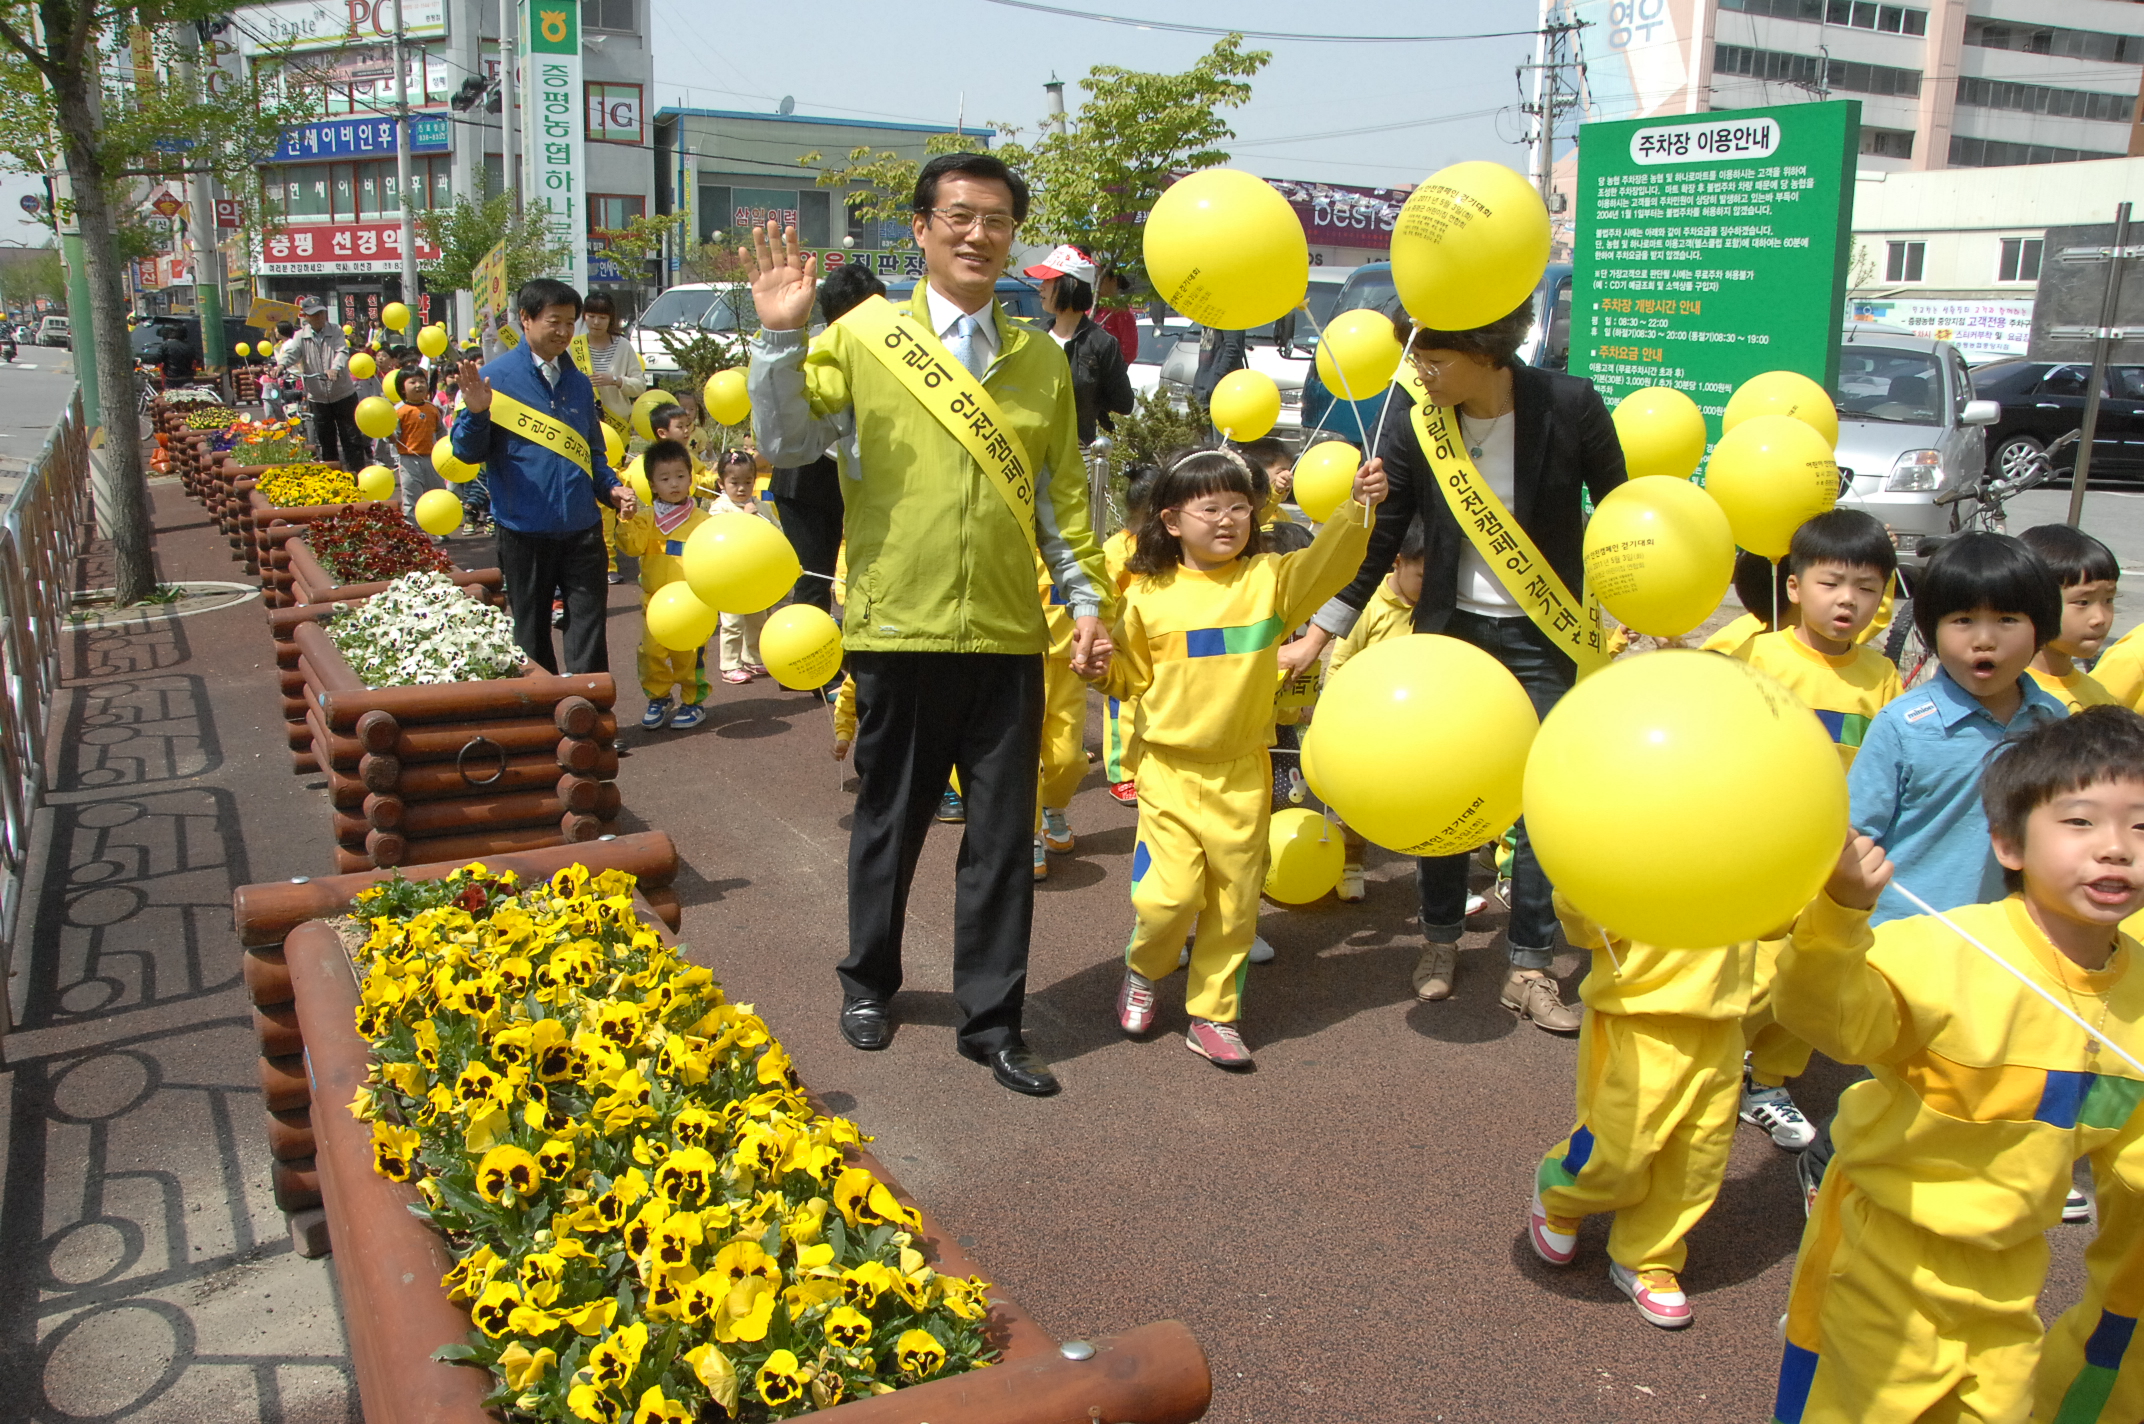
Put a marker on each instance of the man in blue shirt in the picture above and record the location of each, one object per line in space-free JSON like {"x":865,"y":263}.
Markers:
{"x":542,"y":453}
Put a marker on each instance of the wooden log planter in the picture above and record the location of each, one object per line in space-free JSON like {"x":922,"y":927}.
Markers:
{"x":256,"y":523}
{"x":454,"y":770}
{"x":301,"y":578}
{"x":389,"y":1262}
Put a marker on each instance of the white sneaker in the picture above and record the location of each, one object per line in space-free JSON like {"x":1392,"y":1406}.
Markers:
{"x":2076,"y":1206}
{"x":1773,"y":1110}
{"x":1351,"y":887}
{"x":1261,"y":952}
{"x":1056,"y":831}
{"x":1476,"y":904}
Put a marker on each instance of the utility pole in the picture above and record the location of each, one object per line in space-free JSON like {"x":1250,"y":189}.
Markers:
{"x":402,"y":141}
{"x":1553,"y":97}
{"x":509,"y":40}
{"x":2103,"y":336}
{"x":206,"y":233}
{"x":81,"y":311}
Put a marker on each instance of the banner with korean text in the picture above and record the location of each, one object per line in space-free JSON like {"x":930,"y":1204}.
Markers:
{"x":554,"y":128}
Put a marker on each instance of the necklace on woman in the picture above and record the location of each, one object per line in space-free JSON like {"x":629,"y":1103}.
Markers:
{"x":1474,"y":446}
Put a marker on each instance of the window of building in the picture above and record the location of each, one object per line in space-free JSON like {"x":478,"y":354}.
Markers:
{"x":2044,"y":99}
{"x":814,"y":218}
{"x":1903,"y":261}
{"x":608,"y":15}
{"x":1886,"y":143}
{"x":613,"y":210}
{"x":362,"y":80}
{"x":714,"y":213}
{"x":614,"y":113}
{"x":1995,"y":153}
{"x":1857,"y":14}
{"x":2051,"y":39}
{"x":359,"y":192}
{"x":2020,"y":260}
{"x":1815,"y":72}
{"x":863,"y":231}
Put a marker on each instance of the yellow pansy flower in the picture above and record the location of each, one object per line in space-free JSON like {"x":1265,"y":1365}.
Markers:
{"x":507,"y":1169}
{"x":781,"y":1380}
{"x":525,"y":1368}
{"x":864,"y":1284}
{"x":716,"y":1374}
{"x":541,"y":1276}
{"x":807,"y":1222}
{"x":394,"y":1151}
{"x":918,"y":1354}
{"x":848,"y":1327}
{"x":612,"y":1362}
{"x":592,"y":1404}
{"x":966,"y":1297}
{"x":556,"y":1158}
{"x":494,"y":1309}
{"x":658,"y":1408}
{"x":688,"y":1176}
{"x":593,"y":1318}
{"x":865,"y":1202}
{"x":471,"y":1274}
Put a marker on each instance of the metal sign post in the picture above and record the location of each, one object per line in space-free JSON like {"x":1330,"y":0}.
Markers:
{"x":2103,"y":336}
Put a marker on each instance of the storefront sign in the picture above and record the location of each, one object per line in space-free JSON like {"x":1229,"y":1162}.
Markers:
{"x":1711,"y":251}
{"x":338,"y":248}
{"x":553,"y":124}
{"x":358,"y":138}
{"x":318,"y":24}
{"x":1335,"y":215}
{"x":756,"y":207}
{"x":1982,"y":330}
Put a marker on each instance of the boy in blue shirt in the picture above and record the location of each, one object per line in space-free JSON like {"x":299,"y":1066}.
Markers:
{"x":1986,"y":604}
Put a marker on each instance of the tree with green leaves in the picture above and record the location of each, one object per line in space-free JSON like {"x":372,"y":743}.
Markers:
{"x":65,"y":110}
{"x":27,"y":276}
{"x":886,"y":179}
{"x":474,"y":226}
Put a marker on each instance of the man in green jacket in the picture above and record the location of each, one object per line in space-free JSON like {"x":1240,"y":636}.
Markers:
{"x":942,"y":628}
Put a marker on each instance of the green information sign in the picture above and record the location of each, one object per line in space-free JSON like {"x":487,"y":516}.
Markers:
{"x":1713,"y":247}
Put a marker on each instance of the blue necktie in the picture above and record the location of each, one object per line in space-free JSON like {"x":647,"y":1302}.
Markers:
{"x":964,"y":347}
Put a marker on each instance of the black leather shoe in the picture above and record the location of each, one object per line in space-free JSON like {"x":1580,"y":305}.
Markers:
{"x":866,"y":1024}
{"x":1016,"y":1067}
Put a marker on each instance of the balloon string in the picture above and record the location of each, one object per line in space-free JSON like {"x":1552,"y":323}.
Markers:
{"x":1354,"y":408}
{"x":1775,"y":594}
{"x":2092,"y":1035}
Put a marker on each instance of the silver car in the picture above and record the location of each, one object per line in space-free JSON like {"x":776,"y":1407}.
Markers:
{"x":1909,"y":428}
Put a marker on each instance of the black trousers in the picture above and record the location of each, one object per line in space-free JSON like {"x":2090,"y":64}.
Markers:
{"x":335,"y":423}
{"x":812,"y":520}
{"x":920,"y":716}
{"x":535,"y":566}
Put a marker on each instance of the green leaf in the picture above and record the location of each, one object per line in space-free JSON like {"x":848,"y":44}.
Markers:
{"x":454,"y":1354}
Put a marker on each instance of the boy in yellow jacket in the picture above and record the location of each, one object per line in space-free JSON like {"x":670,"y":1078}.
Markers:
{"x":1915,"y":1291}
{"x":656,"y":536}
{"x":2088,"y":573}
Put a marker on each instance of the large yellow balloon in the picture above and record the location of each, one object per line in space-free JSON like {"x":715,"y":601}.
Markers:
{"x":362,"y":367}
{"x":801,"y":646}
{"x":739,"y":563}
{"x":348,"y":330}
{"x":613,"y":445}
{"x":1325,"y":478}
{"x":1659,"y":556}
{"x":376,"y":482}
{"x":451,"y":466}
{"x":1358,"y":354}
{"x":392,"y":383}
{"x":432,"y":341}
{"x":395,"y":316}
{"x":242,"y":350}
{"x":1245,"y":405}
{"x":1639,"y":795}
{"x":1224,"y":248}
{"x":726,"y":399}
{"x":1662,"y":433}
{"x":645,"y":407}
{"x":1772,"y":474}
{"x":1304,"y":856}
{"x":1469,"y":246}
{"x":636,"y":476}
{"x":1420,"y":744}
{"x":375,"y":416}
{"x":438,"y":512}
{"x":1784,"y":393}
{"x":679,"y":621}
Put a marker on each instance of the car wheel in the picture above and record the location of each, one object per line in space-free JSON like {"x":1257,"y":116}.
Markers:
{"x":2013,"y":454}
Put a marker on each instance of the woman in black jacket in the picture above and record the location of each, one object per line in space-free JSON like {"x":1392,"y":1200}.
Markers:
{"x":1542,"y":441}
{"x":1101,"y":381}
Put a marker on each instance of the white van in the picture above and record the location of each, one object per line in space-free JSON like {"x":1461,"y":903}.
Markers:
{"x":53,"y":331}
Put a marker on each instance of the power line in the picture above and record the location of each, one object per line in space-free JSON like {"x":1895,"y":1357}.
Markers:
{"x":1284,"y":35}
{"x":1381,"y":128}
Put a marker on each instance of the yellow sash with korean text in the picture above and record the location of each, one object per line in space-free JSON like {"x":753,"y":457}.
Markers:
{"x":952,"y":394}
{"x":1573,"y":625}
{"x":530,"y":423}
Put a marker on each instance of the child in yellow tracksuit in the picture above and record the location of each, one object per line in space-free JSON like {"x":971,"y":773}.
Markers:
{"x":1116,"y":553}
{"x":739,"y":641}
{"x":1660,"y":1060}
{"x":1388,"y":614}
{"x":1196,"y":647}
{"x":1064,"y":726}
{"x":1916,"y":1287}
{"x":656,"y":536}
{"x":2092,"y":1366}
{"x":1838,"y":567}
{"x":2088,"y":573}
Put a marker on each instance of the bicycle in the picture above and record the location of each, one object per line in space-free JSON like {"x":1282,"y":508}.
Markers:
{"x":1976,"y":507}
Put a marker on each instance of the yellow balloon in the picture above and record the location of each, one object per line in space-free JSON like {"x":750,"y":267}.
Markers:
{"x":376,"y":482}
{"x":438,"y":512}
{"x":1245,"y":405}
{"x":395,"y":316}
{"x":1638,"y":797}
{"x":392,"y":384}
{"x":637,"y":477}
{"x":1420,"y":745}
{"x":451,"y":466}
{"x":348,"y":330}
{"x":375,"y":416}
{"x":644,"y":409}
{"x":679,"y":621}
{"x":1304,"y":856}
{"x":1469,"y":246}
{"x":432,"y":341}
{"x":242,"y":349}
{"x":1325,"y":478}
{"x":1772,"y":474}
{"x":739,"y":563}
{"x":1659,"y":555}
{"x":1662,"y":433}
{"x":1784,"y":393}
{"x":613,"y":445}
{"x":726,"y":399}
{"x":1358,"y":354}
{"x":1224,"y":248}
{"x":472,"y":334}
{"x":362,"y":366}
{"x":801,"y":646}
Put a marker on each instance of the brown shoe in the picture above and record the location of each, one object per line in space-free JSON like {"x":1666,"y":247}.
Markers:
{"x":1434,"y":972}
{"x":1533,"y":995}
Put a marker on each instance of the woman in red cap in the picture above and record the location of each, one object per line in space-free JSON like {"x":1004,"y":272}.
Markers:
{"x":1101,"y":386}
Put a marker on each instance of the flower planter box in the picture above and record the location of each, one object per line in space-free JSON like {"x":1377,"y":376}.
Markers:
{"x":301,"y":579}
{"x":389,"y":1261}
{"x":449,"y":770}
{"x":255,"y":517}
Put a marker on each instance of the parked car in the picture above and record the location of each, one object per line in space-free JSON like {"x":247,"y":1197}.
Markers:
{"x":1020,"y":297}
{"x":1156,"y":342}
{"x":1910,"y":427}
{"x":1285,"y":350}
{"x":53,"y":331}
{"x":691,"y":306}
{"x":2044,"y":400}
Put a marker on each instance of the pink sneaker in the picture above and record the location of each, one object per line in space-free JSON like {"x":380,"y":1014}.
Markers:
{"x":1554,"y":1238}
{"x":1657,"y":1294}
{"x":1218,"y":1043}
{"x":1135,"y":1003}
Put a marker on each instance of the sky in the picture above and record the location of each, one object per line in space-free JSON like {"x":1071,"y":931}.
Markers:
{"x":1363,"y":114}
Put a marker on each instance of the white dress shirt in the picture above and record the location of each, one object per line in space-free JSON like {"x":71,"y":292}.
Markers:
{"x":547,"y":369}
{"x":945,"y":315}
{"x":1480,"y":590}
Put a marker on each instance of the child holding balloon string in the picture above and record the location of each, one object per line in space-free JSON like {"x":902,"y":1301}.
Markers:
{"x":656,"y":536}
{"x":1196,"y":647}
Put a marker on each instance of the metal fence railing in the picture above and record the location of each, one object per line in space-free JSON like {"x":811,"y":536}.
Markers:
{"x":41,"y":530}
